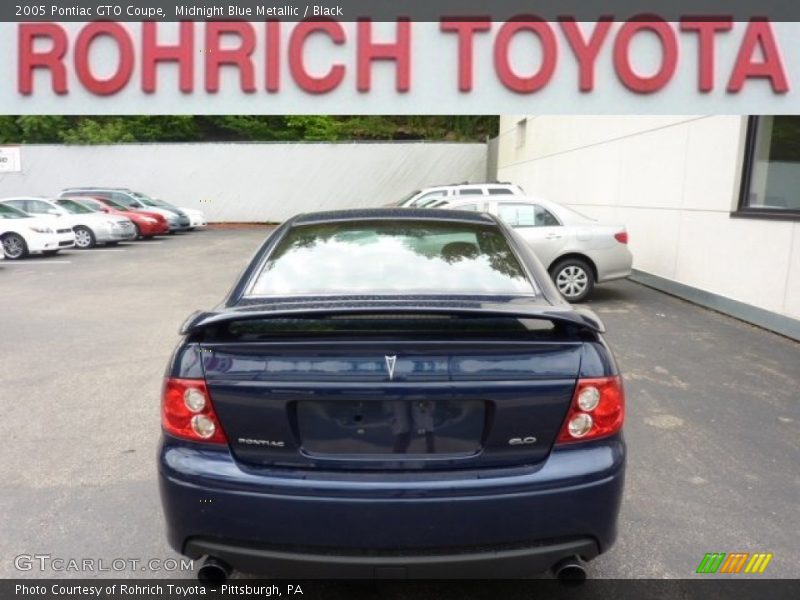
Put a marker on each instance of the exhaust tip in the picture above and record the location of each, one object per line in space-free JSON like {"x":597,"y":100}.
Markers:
{"x":213,"y":572}
{"x":570,"y":571}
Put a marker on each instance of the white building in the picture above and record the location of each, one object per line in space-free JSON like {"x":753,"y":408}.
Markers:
{"x":712,"y":203}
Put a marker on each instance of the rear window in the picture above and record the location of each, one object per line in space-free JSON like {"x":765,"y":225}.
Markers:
{"x":392,"y":257}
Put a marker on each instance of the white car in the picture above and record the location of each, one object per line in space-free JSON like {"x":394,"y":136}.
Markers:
{"x":21,"y":234}
{"x":577,"y":251}
{"x":91,"y":228}
{"x":429,"y":196}
{"x":196,"y":217}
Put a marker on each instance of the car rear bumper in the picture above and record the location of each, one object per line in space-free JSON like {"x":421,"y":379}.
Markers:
{"x":293,"y":523}
{"x":490,"y":563}
{"x":613,"y":263}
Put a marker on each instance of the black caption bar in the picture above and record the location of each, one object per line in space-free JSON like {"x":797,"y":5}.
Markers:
{"x":380,"y":10}
{"x":176,"y":589}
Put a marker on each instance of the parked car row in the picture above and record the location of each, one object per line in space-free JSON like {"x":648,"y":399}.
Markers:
{"x":577,"y":251}
{"x":86,"y":217}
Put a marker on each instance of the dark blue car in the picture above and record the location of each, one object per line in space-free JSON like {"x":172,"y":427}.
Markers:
{"x":397,"y":393}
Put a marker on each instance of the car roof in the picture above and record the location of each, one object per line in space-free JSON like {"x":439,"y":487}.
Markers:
{"x":417,"y":214}
{"x":96,"y":189}
{"x":40,"y":198}
{"x":476,"y":184}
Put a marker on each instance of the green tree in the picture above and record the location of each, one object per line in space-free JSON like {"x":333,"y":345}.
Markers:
{"x":50,"y":129}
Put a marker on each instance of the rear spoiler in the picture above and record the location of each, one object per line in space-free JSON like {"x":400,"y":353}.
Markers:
{"x":566,"y":314}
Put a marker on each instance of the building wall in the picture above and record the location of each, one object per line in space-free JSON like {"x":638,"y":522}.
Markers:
{"x":673,"y":180}
{"x":251,"y":182}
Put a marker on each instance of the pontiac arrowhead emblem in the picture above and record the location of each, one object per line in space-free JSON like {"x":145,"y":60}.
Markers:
{"x":391,"y":361}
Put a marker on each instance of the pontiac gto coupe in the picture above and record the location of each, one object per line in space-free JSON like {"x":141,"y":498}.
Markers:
{"x":395,"y":393}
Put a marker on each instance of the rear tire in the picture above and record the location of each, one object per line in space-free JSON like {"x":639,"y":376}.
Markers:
{"x":138,"y":231}
{"x":84,"y":238}
{"x":14,"y":246}
{"x":573,"y":278}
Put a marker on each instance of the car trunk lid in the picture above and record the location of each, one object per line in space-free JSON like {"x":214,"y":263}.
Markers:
{"x":391,"y":390}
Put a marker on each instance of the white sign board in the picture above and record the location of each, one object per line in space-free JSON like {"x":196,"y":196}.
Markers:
{"x":409,"y":68}
{"x":10,"y":161}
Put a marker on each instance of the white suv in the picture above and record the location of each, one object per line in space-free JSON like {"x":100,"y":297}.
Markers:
{"x":428,"y":197}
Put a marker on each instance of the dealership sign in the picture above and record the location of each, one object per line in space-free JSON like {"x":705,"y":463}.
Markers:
{"x":457,"y":66}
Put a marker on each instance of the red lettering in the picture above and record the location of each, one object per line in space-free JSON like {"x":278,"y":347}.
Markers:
{"x":502,"y":60}
{"x":51,"y":59}
{"x":181,"y":53}
{"x":120,"y":78}
{"x":315,"y":84}
{"x":586,"y":51}
{"x":273,"y":67}
{"x":645,"y":84}
{"x":706,"y":31}
{"x":759,"y":35}
{"x":399,"y":51}
{"x":466,"y":31}
{"x":238,"y":56}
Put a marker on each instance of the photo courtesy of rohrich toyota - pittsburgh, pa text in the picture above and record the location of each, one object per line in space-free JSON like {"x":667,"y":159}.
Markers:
{"x":419,"y":300}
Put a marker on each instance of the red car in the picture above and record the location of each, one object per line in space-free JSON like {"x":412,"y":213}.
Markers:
{"x":147,"y":223}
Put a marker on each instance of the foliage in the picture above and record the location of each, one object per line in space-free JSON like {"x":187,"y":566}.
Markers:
{"x":785,"y":142}
{"x":50,"y":129}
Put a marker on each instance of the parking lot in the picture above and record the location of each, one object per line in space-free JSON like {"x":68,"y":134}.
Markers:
{"x":713,"y":421}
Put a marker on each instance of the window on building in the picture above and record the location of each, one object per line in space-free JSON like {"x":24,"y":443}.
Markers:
{"x":771,"y":175}
{"x":521,"y":134}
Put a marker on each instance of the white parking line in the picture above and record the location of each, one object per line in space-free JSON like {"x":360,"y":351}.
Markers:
{"x":43,"y":261}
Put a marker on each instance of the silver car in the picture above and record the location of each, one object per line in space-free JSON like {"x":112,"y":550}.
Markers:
{"x":91,"y":228}
{"x":577,"y":251}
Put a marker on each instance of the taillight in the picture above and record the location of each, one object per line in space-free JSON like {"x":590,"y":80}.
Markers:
{"x":187,"y":412}
{"x":597,"y":410}
{"x":621,"y":237}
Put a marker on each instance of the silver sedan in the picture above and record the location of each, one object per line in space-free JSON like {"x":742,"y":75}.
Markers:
{"x":577,"y":251}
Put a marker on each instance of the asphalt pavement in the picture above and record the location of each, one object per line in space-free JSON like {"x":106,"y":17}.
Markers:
{"x":713,"y":422}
